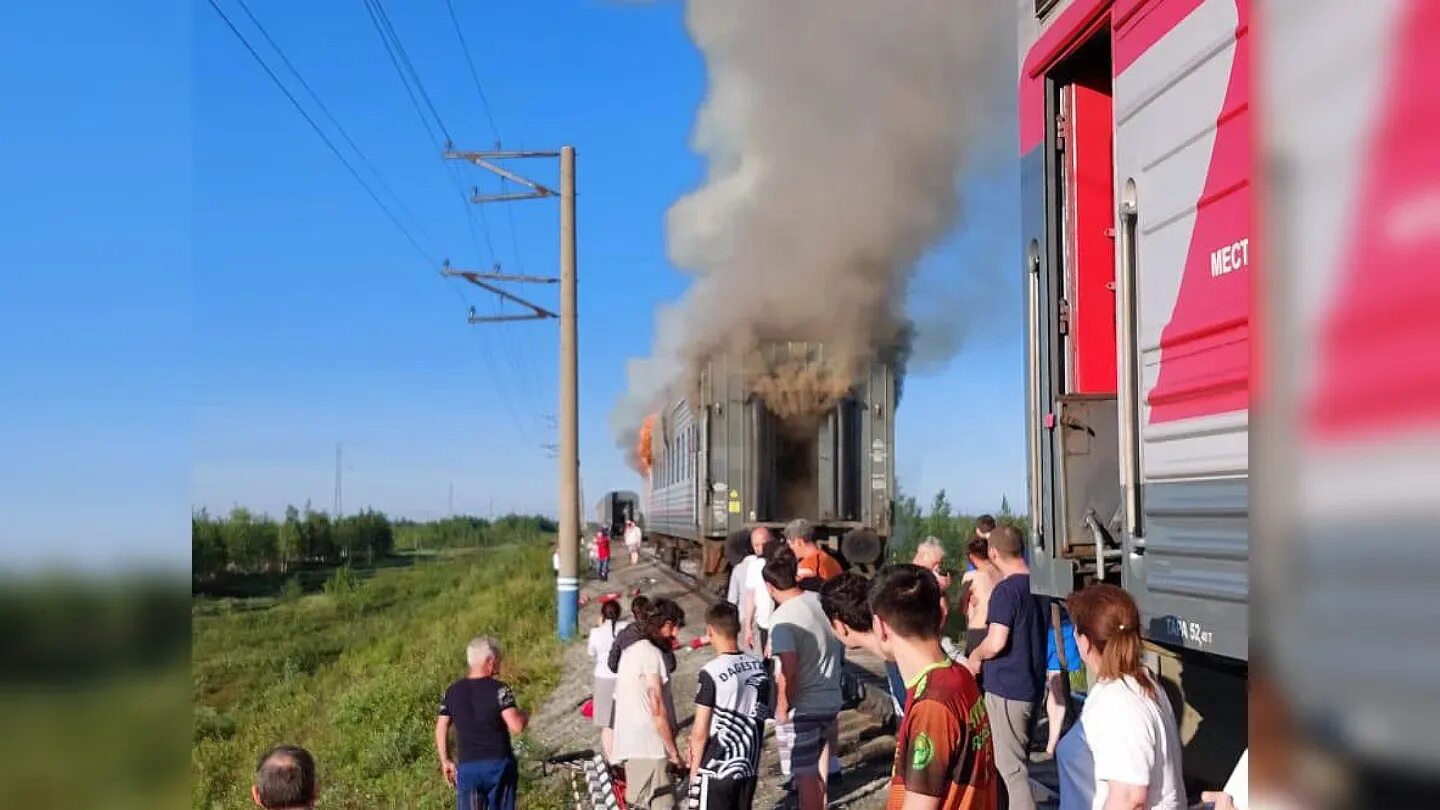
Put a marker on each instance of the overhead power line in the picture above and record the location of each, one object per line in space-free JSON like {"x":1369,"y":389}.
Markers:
{"x":382,"y":20}
{"x":474,"y":74}
{"x":334,"y":122}
{"x":410,"y":237}
{"x":522,"y":369}
{"x":421,"y":102}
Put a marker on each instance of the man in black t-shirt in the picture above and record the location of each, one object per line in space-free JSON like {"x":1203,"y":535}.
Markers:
{"x":1011,"y":663}
{"x":484,"y":714}
{"x":730,"y":711}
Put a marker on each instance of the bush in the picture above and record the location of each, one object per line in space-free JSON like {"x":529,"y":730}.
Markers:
{"x":342,"y":583}
{"x":292,"y":590}
{"x":212,"y":724}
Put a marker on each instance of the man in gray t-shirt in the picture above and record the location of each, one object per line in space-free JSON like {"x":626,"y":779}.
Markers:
{"x":808,"y":678}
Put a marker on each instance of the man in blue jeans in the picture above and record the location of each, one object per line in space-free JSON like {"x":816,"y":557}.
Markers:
{"x":484,"y":714}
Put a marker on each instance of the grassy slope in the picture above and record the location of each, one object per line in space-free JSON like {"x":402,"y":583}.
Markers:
{"x":357,"y":680}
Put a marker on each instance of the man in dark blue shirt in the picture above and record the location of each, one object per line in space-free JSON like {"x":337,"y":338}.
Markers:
{"x":1011,"y":662}
{"x":484,"y":714}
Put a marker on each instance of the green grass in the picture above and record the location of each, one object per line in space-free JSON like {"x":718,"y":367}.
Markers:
{"x":355,"y":675}
{"x":118,"y":732}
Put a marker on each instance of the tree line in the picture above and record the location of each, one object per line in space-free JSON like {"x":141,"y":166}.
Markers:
{"x":913,"y":524}
{"x":464,"y":531}
{"x":246,"y":542}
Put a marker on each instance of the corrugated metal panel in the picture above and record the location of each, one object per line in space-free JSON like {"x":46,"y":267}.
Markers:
{"x":1191,"y":574}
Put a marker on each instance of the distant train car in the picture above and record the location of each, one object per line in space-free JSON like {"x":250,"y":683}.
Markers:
{"x":615,"y":508}
{"x":724,"y":463}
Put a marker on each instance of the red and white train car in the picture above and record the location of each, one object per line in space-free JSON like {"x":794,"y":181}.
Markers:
{"x":1136,"y":169}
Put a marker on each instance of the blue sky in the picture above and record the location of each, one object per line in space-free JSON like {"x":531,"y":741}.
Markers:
{"x":207,"y":303}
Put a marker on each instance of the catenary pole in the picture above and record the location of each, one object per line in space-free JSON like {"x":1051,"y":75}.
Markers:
{"x":567,"y":581}
{"x":567,"y":584}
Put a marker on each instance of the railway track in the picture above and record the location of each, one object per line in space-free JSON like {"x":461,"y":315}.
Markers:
{"x":690,"y":582}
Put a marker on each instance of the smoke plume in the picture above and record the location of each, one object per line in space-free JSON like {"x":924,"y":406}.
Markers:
{"x":834,"y":133}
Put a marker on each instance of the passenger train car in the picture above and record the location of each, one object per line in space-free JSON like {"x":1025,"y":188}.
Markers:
{"x":1135,"y":133}
{"x":721,"y":463}
{"x":615,"y":508}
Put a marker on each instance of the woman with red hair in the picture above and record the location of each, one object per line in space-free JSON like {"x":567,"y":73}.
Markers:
{"x":1124,"y":754}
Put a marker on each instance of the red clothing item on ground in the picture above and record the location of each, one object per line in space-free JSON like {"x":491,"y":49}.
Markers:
{"x":943,"y":748}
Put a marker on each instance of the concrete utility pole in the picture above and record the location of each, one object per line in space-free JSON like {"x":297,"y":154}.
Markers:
{"x":567,"y":584}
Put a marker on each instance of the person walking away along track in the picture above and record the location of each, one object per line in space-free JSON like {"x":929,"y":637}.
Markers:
{"x":483,"y":711}
{"x":1011,"y":663}
{"x":633,"y":536}
{"x":730,"y":710}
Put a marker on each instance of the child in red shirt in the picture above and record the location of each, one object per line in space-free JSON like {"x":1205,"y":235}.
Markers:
{"x":602,"y":554}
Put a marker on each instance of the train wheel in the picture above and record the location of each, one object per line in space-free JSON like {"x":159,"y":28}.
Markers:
{"x":862,"y":546}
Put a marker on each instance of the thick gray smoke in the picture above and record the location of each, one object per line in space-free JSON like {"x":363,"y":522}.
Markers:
{"x":834,"y":131}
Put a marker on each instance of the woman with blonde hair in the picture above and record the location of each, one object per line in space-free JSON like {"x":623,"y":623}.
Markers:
{"x":1124,"y":754}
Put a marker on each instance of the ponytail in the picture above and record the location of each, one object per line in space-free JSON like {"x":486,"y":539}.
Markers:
{"x":1109,"y":619}
{"x":610,"y":612}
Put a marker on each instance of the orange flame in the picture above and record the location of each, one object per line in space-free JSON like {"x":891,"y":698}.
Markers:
{"x":642,"y":447}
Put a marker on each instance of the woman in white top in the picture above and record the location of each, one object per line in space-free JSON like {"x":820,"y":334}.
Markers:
{"x":602,"y":636}
{"x":1124,"y":754}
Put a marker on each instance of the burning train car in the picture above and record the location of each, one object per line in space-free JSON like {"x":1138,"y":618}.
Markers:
{"x":754,"y":442}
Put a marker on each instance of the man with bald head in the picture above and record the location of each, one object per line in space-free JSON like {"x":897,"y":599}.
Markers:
{"x":756,"y":604}
{"x":285,"y":779}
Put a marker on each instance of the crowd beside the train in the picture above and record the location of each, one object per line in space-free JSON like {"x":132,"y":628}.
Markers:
{"x":964,"y":736}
